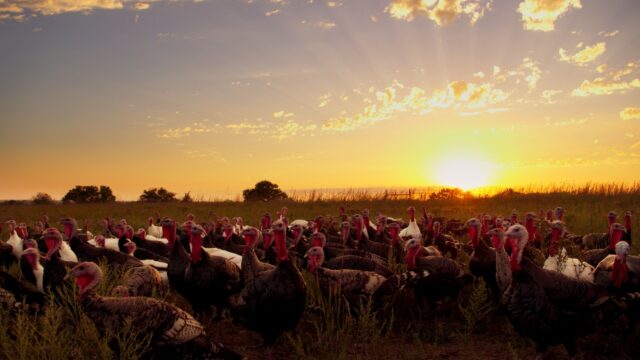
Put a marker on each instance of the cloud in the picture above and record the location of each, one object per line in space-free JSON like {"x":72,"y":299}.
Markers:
{"x":609,"y":34}
{"x":324,"y":25}
{"x":630,"y":113}
{"x":548,"y":95}
{"x":540,"y":15}
{"x":198,"y":127}
{"x":457,"y":95}
{"x":141,"y":6}
{"x":19,"y":10}
{"x":612,"y":82}
{"x":584,"y":56}
{"x":278,"y":130}
{"x":442,"y":12}
{"x":282,"y":114}
{"x":272,"y":12}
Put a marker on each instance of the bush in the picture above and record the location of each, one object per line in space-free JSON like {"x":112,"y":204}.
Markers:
{"x":187,"y":197}
{"x":450,"y":193}
{"x":89,"y":194}
{"x":157,"y":195}
{"x":42,"y":198}
{"x":264,"y":191}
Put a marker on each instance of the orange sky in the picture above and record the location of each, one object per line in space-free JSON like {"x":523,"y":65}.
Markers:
{"x":213,"y":96}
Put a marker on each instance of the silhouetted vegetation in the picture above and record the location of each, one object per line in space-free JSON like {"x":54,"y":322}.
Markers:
{"x":450,"y":193}
{"x":89,"y":194}
{"x":264,"y":191}
{"x":42,"y":198}
{"x":187,"y":197}
{"x":158,"y":195}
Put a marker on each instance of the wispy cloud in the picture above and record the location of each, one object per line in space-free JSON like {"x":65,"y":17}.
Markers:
{"x":584,"y":56}
{"x":442,"y":12}
{"x":182,"y":132}
{"x":609,"y":34}
{"x":324,"y":25}
{"x":274,"y":129}
{"x":630,"y":113}
{"x":612,"y":82}
{"x":541,"y":15}
{"x":272,"y":12}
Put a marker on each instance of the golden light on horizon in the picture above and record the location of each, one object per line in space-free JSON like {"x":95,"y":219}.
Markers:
{"x":466,"y":172}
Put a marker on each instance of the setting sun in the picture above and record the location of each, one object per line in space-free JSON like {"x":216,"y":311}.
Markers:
{"x":465,"y":172}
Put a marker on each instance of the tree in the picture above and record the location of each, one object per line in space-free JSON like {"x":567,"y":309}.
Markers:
{"x":264,"y":191}
{"x":89,"y":194}
{"x":157,"y":195}
{"x":42,"y":198}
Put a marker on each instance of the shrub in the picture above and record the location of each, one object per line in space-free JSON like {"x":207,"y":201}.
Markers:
{"x":157,"y":195}
{"x":42,"y":198}
{"x":89,"y":194}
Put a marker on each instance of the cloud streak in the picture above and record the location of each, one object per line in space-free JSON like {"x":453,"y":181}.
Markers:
{"x":612,"y":82}
{"x":630,"y":113}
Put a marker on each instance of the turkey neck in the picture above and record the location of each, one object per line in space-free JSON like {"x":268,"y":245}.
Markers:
{"x":474,"y":235}
{"x":169,"y":233}
{"x":616,"y":235}
{"x":281,"y":246}
{"x":196,"y":248}
{"x":412,"y":254}
{"x":620,"y":273}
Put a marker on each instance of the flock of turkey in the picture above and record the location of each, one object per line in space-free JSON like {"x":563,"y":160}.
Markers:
{"x":553,"y":285}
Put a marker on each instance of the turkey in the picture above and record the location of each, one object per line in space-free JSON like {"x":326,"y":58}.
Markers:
{"x":174,"y":333}
{"x":87,"y":252}
{"x":179,"y":259}
{"x":130,"y":248}
{"x":354,"y":285}
{"x":153,"y":229}
{"x":529,"y":223}
{"x":111,"y":243}
{"x":593,"y":257}
{"x":412,"y":229}
{"x":446,"y":276}
{"x":139,"y":281}
{"x":14,"y":239}
{"x":21,"y":290}
{"x":503,"y":271}
{"x":445,"y":243}
{"x":350,"y":262}
{"x":56,"y":268}
{"x":599,"y":240}
{"x":31,"y":268}
{"x":483,"y":259}
{"x":558,"y":260}
{"x":272,"y":301}
{"x":157,"y":245}
{"x":543,"y":305}
{"x":211,"y":279}
{"x":620,"y":272}
{"x":251,"y":265}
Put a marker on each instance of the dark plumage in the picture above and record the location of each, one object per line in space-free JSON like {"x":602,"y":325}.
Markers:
{"x":174,"y":333}
{"x":272,"y":301}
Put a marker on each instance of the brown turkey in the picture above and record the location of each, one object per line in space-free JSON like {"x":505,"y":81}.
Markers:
{"x":272,"y":301}
{"x":174,"y":333}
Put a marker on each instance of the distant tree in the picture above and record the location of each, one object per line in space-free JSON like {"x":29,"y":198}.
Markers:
{"x":157,"y":195}
{"x":42,"y":198}
{"x":89,"y":194}
{"x":106,"y":195}
{"x":187,"y":197}
{"x":450,"y":193}
{"x":264,"y":191}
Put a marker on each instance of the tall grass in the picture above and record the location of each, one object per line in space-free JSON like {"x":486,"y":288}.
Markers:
{"x":62,"y":331}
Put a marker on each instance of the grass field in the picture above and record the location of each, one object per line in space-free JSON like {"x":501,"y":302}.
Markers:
{"x":463,"y":330}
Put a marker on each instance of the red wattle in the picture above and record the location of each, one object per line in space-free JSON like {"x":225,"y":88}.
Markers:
{"x":620,"y":273}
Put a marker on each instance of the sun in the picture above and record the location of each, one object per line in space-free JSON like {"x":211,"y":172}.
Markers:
{"x":465,"y":172}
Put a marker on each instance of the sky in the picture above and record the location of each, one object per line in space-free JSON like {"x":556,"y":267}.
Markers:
{"x":213,"y":96}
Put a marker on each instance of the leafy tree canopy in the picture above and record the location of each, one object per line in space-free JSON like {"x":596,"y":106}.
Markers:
{"x":264,"y":191}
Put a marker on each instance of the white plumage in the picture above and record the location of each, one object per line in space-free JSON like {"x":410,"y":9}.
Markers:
{"x":234,"y":258}
{"x":571,"y":267}
{"x":158,"y":239}
{"x":154,"y":230}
